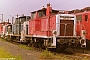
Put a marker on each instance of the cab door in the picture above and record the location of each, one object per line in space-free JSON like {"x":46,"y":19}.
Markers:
{"x":26,"y":29}
{"x":86,"y":23}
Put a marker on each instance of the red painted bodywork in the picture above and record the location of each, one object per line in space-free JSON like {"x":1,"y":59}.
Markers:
{"x":1,"y":26}
{"x":84,"y":25}
{"x":43,"y":26}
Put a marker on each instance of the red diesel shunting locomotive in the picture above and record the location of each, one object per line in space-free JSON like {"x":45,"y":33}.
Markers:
{"x":3,"y":28}
{"x":83,"y":23}
{"x":49,"y":28}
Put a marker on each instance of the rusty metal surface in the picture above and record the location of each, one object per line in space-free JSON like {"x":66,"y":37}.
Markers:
{"x":66,"y":27}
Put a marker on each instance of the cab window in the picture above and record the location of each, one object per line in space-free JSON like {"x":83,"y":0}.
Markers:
{"x":42,"y":13}
{"x":33,"y":15}
{"x":86,"y":17}
{"x":79,"y":18}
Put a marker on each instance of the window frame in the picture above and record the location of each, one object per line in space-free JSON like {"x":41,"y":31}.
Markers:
{"x":79,"y":17}
{"x":86,"y":17}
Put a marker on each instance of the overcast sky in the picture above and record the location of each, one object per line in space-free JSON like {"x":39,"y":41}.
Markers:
{"x":12,"y":7}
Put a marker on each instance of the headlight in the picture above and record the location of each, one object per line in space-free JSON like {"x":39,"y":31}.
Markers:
{"x":54,"y":32}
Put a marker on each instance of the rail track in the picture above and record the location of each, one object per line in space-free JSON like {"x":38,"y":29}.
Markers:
{"x":69,"y":52}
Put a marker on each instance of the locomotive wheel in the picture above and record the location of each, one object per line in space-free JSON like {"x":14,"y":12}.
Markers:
{"x":87,"y":44}
{"x":29,"y":44}
{"x":62,"y":49}
{"x":8,"y":38}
